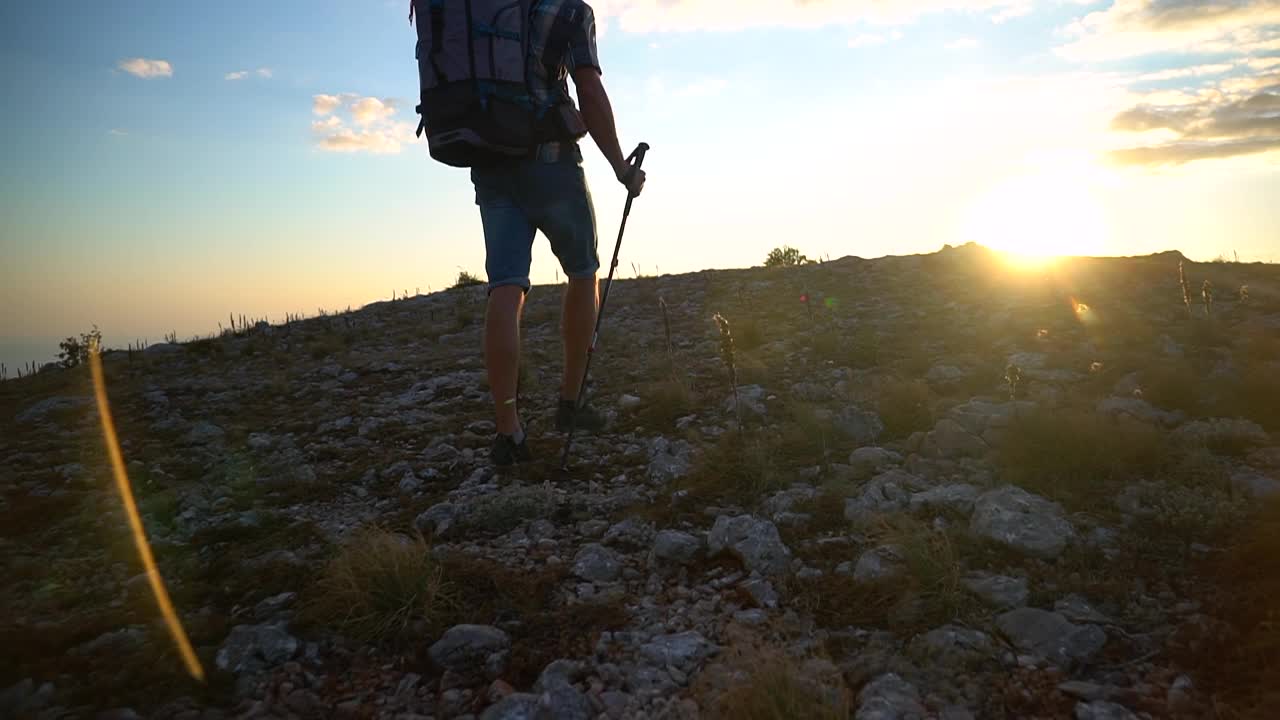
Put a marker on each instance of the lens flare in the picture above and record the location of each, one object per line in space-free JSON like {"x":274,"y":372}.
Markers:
{"x":179,"y":634}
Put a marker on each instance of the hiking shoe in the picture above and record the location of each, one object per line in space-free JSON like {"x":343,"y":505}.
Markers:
{"x":507,"y":452}
{"x":581,"y":418}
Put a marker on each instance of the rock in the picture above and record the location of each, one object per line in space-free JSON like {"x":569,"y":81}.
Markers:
{"x":205,"y":433}
{"x":752,"y":540}
{"x":472,"y":650}
{"x":437,"y":519}
{"x":880,"y":563}
{"x":597,"y":563}
{"x":887,"y":492}
{"x":669,"y":460}
{"x":1076,"y":609}
{"x":949,"y":439}
{"x":953,"y":648}
{"x":632,"y":533}
{"x":1255,"y":484}
{"x":761,"y":591}
{"x":860,"y":426}
{"x":40,"y":410}
{"x":999,"y":591}
{"x":682,"y":650}
{"x":673,"y":546}
{"x":945,"y":376}
{"x":1022,"y":521}
{"x":1227,"y":434}
{"x":23,"y":698}
{"x":889,"y":697}
{"x":1051,"y":636}
{"x":752,"y":399}
{"x":979,"y":416}
{"x":1138,"y":409}
{"x":1103,"y":710}
{"x":629,"y":402}
{"x":516,"y":706}
{"x":564,"y":702}
{"x":867,"y":461}
{"x":954,"y":498}
{"x":253,"y":648}
{"x":782,"y":502}
{"x":1087,"y":691}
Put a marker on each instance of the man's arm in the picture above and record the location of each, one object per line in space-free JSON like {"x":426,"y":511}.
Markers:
{"x":597,"y":114}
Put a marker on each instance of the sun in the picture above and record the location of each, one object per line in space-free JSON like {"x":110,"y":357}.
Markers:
{"x":1035,"y":218}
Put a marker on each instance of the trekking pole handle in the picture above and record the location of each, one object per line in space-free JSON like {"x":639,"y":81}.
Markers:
{"x":638,"y":154}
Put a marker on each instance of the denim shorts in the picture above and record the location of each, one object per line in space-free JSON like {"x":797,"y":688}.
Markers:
{"x":518,"y":199}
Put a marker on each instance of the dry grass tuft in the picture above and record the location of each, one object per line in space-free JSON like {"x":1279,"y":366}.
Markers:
{"x":381,"y":585}
{"x":771,"y":684}
{"x":927,"y":593}
{"x":665,"y":402}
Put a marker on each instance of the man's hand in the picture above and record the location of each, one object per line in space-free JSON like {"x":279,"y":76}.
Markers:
{"x":632,"y":177}
{"x":597,"y":113}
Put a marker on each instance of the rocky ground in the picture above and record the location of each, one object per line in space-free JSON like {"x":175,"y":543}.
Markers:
{"x":941,"y":489}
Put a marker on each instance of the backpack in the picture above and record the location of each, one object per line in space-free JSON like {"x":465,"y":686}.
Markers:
{"x":473,"y":67}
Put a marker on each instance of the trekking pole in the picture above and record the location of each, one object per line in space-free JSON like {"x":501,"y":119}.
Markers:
{"x":638,"y":156}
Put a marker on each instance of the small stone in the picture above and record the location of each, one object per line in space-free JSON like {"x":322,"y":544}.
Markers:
{"x":1103,"y":710}
{"x":682,"y":650}
{"x":597,"y":563}
{"x":1022,"y":521}
{"x":752,"y":540}
{"x":999,"y":591}
{"x":629,"y":402}
{"x":762,"y":592}
{"x":889,"y":697}
{"x":880,"y":563}
{"x":1051,"y":636}
{"x":252,"y":648}
{"x":472,"y":650}
{"x":677,"y":547}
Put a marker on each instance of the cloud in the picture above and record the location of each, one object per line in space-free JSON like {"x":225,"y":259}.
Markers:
{"x":351,"y":123}
{"x":367,"y":111}
{"x":1130,"y":28}
{"x":144,"y":68}
{"x":645,"y":16}
{"x":264,"y":73}
{"x":964,"y":43}
{"x":1183,"y":153}
{"x":873,"y":39}
{"x":325,"y":104}
{"x":117,"y":132}
{"x":1238,"y":116}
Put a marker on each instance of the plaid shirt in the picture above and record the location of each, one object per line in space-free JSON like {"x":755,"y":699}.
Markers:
{"x":570,"y":24}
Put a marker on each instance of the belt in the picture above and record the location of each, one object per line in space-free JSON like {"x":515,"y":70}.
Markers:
{"x":551,"y":152}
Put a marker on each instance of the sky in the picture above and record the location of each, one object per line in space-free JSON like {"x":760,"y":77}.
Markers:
{"x":166,"y":164}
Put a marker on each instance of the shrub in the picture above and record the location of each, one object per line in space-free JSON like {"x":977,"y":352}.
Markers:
{"x":466,"y":279}
{"x":1074,"y":456}
{"x":785,"y":256}
{"x":380,"y":585}
{"x":905,"y":406}
{"x":76,"y":350}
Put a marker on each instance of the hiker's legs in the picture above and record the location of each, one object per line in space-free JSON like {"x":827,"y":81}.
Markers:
{"x":508,"y":241}
{"x":567,"y":217}
{"x":578,"y":319}
{"x":502,"y":353}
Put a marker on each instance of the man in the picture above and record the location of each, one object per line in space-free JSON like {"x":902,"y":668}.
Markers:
{"x":547,"y":192}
